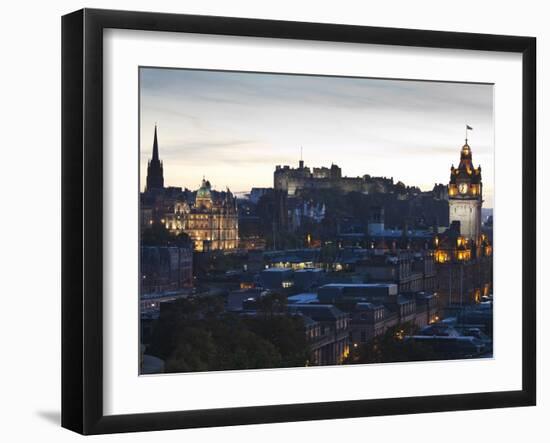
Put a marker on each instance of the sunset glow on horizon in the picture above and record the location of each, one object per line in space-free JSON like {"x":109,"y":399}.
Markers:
{"x":233,"y":128}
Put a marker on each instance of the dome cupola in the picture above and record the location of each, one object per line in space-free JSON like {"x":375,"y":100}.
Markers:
{"x":204,"y":195}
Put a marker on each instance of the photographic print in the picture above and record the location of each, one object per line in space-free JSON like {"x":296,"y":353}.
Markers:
{"x":303,"y":220}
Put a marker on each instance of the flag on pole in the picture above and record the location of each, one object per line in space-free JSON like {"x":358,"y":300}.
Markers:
{"x":468,"y":128}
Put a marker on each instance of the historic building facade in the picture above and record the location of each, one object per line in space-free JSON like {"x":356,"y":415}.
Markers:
{"x":211,"y":222}
{"x":165,"y":268}
{"x":208,"y":217}
{"x":464,"y":269}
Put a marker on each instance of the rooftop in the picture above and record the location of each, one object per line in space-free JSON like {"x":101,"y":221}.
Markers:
{"x":305,"y":297}
{"x":359,"y":285}
{"x":277,"y":270}
{"x":318,"y":312}
{"x":365,"y":306}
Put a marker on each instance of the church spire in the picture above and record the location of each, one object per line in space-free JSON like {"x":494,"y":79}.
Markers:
{"x":155,"y":173}
{"x":155,"y":146}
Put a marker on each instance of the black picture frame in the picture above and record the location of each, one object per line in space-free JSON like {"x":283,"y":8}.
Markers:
{"x":82,"y":231}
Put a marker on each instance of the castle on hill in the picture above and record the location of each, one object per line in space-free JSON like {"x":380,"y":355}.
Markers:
{"x":293,"y":180}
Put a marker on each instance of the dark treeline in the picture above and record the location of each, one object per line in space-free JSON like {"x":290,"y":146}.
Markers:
{"x":197,"y":335}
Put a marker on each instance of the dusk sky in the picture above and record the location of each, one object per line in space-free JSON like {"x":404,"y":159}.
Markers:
{"x":234,"y":128}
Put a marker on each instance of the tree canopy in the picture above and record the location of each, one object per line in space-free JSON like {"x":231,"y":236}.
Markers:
{"x":197,"y":335}
{"x":391,"y":347}
{"x":158,"y":235}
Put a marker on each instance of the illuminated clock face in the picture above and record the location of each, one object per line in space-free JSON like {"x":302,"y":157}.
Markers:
{"x":463,"y":188}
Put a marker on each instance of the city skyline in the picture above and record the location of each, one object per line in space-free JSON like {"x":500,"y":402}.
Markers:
{"x":322,"y":265}
{"x":210,"y":121}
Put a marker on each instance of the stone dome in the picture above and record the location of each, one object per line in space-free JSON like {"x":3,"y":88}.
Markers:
{"x":204,"y":190}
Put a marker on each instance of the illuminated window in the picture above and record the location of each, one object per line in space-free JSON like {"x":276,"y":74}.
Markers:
{"x":441,"y":257}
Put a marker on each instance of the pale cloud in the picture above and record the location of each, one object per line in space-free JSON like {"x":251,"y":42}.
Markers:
{"x":235,"y":127}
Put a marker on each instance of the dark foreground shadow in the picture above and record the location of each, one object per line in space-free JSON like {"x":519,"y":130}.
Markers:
{"x":54,"y":417}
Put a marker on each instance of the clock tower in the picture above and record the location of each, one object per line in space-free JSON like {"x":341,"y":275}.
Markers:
{"x":465,"y":195}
